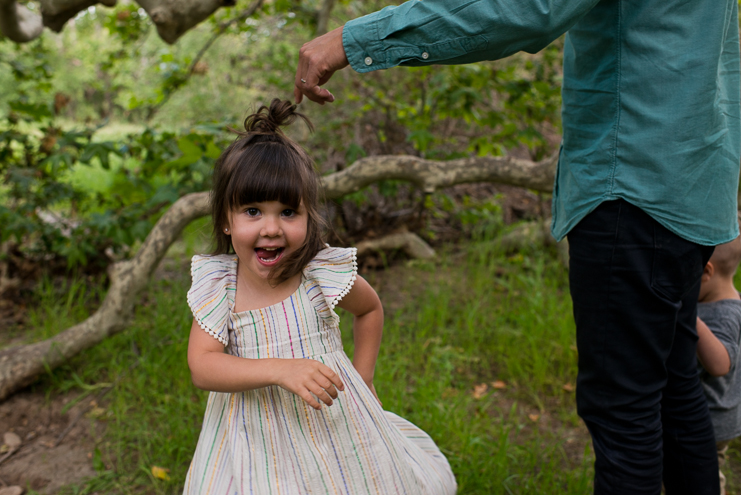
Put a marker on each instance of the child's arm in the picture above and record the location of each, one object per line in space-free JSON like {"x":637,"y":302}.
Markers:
{"x":212,"y":369}
{"x":363,"y":302}
{"x":711,"y":352}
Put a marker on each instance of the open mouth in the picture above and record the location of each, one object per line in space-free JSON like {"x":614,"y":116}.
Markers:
{"x":269,"y":256}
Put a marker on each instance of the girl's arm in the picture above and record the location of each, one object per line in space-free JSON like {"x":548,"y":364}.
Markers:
{"x":212,"y":369}
{"x":711,"y":352}
{"x":363,"y":302}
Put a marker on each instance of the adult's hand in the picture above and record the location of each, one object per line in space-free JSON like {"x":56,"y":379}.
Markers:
{"x":317,"y":61}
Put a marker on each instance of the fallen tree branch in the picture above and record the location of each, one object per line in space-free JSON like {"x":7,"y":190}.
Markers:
{"x":20,"y":366}
{"x":430,"y":175}
{"x":536,"y":233}
{"x":409,"y":242}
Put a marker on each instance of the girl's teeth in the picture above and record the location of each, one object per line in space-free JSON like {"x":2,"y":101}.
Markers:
{"x":268,"y":254}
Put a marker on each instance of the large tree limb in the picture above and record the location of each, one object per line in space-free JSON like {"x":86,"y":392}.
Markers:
{"x":20,"y":366}
{"x":430,"y":175}
{"x":173,"y":18}
{"x":56,"y":13}
{"x":19,"y":23}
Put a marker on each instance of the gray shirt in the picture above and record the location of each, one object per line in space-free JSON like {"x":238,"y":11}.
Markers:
{"x":724,"y":392}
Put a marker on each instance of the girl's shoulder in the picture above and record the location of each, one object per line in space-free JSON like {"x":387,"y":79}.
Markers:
{"x":212,"y":292}
{"x":330,"y":276}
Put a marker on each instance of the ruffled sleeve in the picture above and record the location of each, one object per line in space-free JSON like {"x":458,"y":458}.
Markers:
{"x":212,"y":292}
{"x":330,"y":275}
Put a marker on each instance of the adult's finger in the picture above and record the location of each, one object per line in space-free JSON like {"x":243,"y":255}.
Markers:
{"x":318,"y":60}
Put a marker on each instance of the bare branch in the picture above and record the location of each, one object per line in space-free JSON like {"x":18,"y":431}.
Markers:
{"x":322,"y":17}
{"x":21,"y":365}
{"x":430,"y":175}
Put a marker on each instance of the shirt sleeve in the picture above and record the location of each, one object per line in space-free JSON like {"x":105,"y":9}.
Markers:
{"x":726,"y":329}
{"x":212,"y":293}
{"x":426,"y":32}
{"x":330,"y":276}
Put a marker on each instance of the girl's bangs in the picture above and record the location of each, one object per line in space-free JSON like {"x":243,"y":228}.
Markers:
{"x":266,"y":178}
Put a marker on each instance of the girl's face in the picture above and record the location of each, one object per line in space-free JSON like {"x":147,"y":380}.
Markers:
{"x":264,"y":233}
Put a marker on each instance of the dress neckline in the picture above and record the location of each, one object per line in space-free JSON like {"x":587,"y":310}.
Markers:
{"x":232,"y":312}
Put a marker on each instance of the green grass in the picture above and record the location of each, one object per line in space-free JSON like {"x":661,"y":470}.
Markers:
{"x":470,"y":317}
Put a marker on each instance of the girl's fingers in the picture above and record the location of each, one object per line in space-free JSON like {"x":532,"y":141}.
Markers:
{"x":329,"y":388}
{"x":320,"y":393}
{"x":309,"y":399}
{"x":334,"y":377}
{"x":326,"y":384}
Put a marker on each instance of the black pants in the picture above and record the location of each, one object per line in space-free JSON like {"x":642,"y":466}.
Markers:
{"x":635,"y":286}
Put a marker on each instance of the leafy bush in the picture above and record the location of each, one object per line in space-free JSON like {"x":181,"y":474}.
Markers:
{"x":50,"y":211}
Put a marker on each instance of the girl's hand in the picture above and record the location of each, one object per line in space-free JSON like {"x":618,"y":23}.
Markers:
{"x":304,"y":377}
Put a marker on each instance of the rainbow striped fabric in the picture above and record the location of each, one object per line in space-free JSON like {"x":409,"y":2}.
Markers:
{"x":268,"y":441}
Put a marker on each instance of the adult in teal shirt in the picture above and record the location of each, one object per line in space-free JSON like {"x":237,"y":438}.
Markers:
{"x":647,"y":183}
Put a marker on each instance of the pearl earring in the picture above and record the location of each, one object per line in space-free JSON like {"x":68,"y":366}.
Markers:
{"x":226,"y":231}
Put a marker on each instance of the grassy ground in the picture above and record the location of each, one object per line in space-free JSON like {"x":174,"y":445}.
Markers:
{"x":478,"y":351}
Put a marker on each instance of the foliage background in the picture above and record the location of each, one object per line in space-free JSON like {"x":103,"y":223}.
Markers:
{"x":105,"y":125}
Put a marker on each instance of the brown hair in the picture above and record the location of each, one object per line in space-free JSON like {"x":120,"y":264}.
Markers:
{"x":263,"y":164}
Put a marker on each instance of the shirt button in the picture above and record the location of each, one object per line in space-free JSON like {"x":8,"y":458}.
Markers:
{"x":368,"y":60}
{"x":425,"y":55}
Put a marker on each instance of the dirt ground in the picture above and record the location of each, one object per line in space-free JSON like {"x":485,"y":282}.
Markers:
{"x":46,"y":461}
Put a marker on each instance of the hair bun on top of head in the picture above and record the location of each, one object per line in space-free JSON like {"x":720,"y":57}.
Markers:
{"x":269,"y":120}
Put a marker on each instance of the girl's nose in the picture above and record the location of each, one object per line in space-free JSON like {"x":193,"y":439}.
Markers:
{"x":271,"y":228}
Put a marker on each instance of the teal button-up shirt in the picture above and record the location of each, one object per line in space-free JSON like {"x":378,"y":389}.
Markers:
{"x":651,"y":94}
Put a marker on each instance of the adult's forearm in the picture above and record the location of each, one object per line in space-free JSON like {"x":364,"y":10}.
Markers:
{"x":456,"y":31}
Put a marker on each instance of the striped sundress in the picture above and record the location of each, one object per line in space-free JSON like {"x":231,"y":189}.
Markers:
{"x":268,"y":441}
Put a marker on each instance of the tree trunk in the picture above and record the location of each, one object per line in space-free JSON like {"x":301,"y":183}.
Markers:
{"x":20,"y":366}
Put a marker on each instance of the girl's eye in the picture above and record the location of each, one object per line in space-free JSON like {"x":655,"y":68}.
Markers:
{"x":288,"y":212}
{"x":252,"y":212}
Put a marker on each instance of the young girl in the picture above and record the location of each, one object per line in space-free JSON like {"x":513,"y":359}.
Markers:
{"x":288,"y":412}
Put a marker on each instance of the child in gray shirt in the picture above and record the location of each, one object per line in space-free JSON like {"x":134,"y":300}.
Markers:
{"x":719,"y":332}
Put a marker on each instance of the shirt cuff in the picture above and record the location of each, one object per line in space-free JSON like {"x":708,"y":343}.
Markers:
{"x":363,"y":47}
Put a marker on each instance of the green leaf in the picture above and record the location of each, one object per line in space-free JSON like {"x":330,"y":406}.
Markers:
{"x":101,"y":151}
{"x":212,"y":151}
{"x":35,"y":110}
{"x":190,"y":149}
